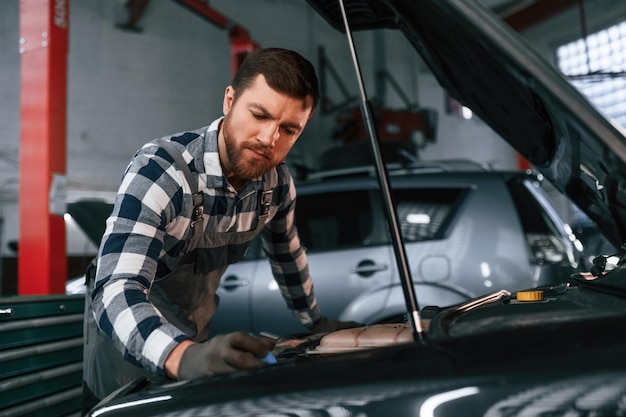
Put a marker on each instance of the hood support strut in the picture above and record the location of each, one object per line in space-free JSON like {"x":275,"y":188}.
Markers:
{"x":383,"y":179}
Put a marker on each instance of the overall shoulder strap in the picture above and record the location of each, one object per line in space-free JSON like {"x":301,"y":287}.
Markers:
{"x":192,"y":180}
{"x":266,"y":196}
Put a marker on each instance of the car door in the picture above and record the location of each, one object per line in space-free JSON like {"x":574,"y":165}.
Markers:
{"x":349,"y":261}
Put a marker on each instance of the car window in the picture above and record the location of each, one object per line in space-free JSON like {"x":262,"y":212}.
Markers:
{"x":547,"y":241}
{"x":532,"y":214}
{"x":341,"y":220}
{"x":426,"y":213}
{"x":335,"y":220}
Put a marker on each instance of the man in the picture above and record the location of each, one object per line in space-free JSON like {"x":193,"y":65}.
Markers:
{"x":187,"y":207}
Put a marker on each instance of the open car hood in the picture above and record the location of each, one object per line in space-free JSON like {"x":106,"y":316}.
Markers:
{"x":487,"y":67}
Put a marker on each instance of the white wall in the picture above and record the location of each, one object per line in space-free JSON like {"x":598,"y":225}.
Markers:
{"x":126,"y":88}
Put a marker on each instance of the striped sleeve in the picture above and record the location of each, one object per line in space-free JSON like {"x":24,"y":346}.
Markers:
{"x":150,"y":197}
{"x":287,"y":256}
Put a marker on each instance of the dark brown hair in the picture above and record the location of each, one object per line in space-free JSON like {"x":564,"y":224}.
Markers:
{"x":284,"y":70}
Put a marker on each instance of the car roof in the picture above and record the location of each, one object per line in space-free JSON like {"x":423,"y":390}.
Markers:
{"x":515,"y":91}
{"x":416,"y":168}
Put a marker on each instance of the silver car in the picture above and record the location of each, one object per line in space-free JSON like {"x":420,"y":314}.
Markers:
{"x":464,"y":228}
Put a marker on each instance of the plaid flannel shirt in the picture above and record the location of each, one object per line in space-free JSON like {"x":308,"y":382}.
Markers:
{"x":146,"y":232}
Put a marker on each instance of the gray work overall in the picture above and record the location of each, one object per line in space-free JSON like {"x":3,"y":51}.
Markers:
{"x":186,"y":296}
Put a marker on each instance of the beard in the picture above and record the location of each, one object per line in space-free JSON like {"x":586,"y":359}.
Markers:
{"x":245,"y":168}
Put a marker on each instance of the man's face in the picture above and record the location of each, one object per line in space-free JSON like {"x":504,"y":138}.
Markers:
{"x":259,"y":129}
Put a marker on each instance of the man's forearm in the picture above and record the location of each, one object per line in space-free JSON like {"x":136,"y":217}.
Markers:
{"x":172,"y":362}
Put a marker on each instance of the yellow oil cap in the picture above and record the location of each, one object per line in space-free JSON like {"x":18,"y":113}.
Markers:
{"x":536,"y":295}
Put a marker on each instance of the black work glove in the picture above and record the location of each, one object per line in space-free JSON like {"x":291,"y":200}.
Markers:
{"x":325,"y":325}
{"x":222,"y":354}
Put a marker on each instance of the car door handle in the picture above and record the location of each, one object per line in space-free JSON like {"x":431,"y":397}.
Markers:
{"x":232,"y":282}
{"x":367,"y":268}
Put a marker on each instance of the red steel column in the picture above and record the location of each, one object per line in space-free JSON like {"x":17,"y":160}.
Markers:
{"x":42,"y":260}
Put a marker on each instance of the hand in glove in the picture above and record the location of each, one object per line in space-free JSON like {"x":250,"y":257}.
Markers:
{"x":325,"y":325}
{"x":222,"y":354}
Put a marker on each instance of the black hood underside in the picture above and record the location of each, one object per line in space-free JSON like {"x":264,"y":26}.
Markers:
{"x":486,"y":66}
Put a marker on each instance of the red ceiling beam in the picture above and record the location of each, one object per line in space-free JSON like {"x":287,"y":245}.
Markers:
{"x":241,"y":44}
{"x":538,"y":12}
{"x":42,"y":261}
